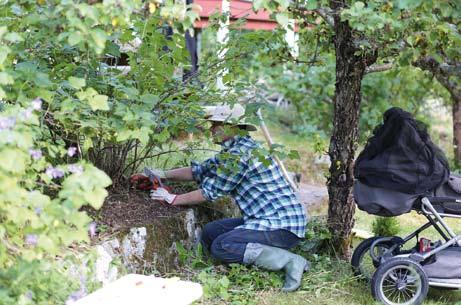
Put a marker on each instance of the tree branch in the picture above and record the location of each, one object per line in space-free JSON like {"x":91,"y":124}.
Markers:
{"x":326,"y":14}
{"x":440,"y":71}
{"x":379,"y":68}
{"x":453,"y":69}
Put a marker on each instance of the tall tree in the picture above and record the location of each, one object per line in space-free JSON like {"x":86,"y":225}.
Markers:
{"x":351,"y":65}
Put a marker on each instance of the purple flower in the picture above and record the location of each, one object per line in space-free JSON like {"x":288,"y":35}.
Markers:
{"x":37,"y":104}
{"x":7,"y":123}
{"x":29,"y":294}
{"x":54,"y":172}
{"x":36,"y":154}
{"x":92,"y":229}
{"x":38,"y":210}
{"x":75,"y":169}
{"x":31,"y":239}
{"x":71,"y":151}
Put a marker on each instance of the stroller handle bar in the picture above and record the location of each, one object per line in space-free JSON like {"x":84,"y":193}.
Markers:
{"x":442,"y":199}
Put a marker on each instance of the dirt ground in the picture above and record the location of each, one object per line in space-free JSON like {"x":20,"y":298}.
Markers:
{"x":127,"y":208}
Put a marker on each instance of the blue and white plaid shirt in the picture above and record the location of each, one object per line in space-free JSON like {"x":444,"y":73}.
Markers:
{"x":264,"y":196}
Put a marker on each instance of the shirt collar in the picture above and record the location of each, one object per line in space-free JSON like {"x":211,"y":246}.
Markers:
{"x":231,"y":142}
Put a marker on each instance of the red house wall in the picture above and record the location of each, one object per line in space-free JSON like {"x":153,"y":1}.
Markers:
{"x":238,"y":9}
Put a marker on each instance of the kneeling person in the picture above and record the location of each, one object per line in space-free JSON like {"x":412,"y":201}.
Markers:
{"x":273,"y":219}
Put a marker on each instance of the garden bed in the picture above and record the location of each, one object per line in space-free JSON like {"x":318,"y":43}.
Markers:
{"x":127,"y":208}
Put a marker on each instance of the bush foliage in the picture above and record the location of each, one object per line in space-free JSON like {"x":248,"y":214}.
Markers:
{"x":70,"y":121}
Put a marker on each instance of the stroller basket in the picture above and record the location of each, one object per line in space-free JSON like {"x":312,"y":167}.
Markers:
{"x":384,"y":202}
{"x":452,"y":208}
{"x":446,"y":205}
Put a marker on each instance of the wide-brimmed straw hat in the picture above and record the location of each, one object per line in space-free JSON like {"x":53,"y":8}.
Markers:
{"x":227,"y":114}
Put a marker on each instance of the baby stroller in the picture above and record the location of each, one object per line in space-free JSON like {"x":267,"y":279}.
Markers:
{"x":401,"y":170}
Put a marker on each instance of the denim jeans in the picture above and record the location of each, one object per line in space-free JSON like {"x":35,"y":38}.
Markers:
{"x":228,"y":244}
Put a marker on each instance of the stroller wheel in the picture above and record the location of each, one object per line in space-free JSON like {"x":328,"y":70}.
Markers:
{"x":400,"y":281}
{"x":362,"y":263}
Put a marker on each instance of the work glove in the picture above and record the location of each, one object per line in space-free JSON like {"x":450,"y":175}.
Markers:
{"x":162,"y":194}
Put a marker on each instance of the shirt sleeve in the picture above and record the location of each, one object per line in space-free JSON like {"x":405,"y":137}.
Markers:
{"x":200,"y":170}
{"x":223,"y":180}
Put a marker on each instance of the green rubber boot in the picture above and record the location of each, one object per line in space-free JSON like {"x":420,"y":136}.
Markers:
{"x":273,"y":258}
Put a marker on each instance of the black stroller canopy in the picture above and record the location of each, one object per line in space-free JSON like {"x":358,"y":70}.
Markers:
{"x":400,"y":156}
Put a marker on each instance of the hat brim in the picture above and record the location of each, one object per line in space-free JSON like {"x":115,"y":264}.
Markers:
{"x":248,"y":127}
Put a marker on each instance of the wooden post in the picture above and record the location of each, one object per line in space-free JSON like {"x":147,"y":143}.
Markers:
{"x":270,"y":142}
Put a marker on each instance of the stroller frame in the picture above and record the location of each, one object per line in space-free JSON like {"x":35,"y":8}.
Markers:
{"x":435,"y":219}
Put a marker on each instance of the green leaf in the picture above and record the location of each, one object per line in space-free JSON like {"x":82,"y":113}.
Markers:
{"x":6,"y":79}
{"x":149,"y":99}
{"x":76,"y":82}
{"x":87,"y":94}
{"x":124,"y":135}
{"x":359,"y":5}
{"x":112,"y":49}
{"x":46,"y":244}
{"x":284,"y":3}
{"x":312,"y":4}
{"x":163,"y":136}
{"x":42,"y":80}
{"x":96,"y":197}
{"x":98,"y":102}
{"x":143,"y":135}
{"x":13,"y":160}
{"x":282,"y":19}
{"x":87,"y":144}
{"x":3,"y":31}
{"x":258,"y":4}
{"x":4,"y":51}
{"x":2,"y":93}
{"x":99,"y":38}
{"x":47,"y":95}
{"x":13,"y":37}
{"x":407,"y":4}
{"x":75,"y":38}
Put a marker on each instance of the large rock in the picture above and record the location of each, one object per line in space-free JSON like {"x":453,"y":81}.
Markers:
{"x":150,"y":246}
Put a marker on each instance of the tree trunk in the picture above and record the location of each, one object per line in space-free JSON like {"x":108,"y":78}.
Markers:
{"x":350,"y":69}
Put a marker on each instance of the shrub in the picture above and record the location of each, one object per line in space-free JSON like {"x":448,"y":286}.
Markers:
{"x":385,"y":226}
{"x":63,"y":110}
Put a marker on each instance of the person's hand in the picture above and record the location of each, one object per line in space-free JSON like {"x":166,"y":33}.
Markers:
{"x":162,"y":194}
